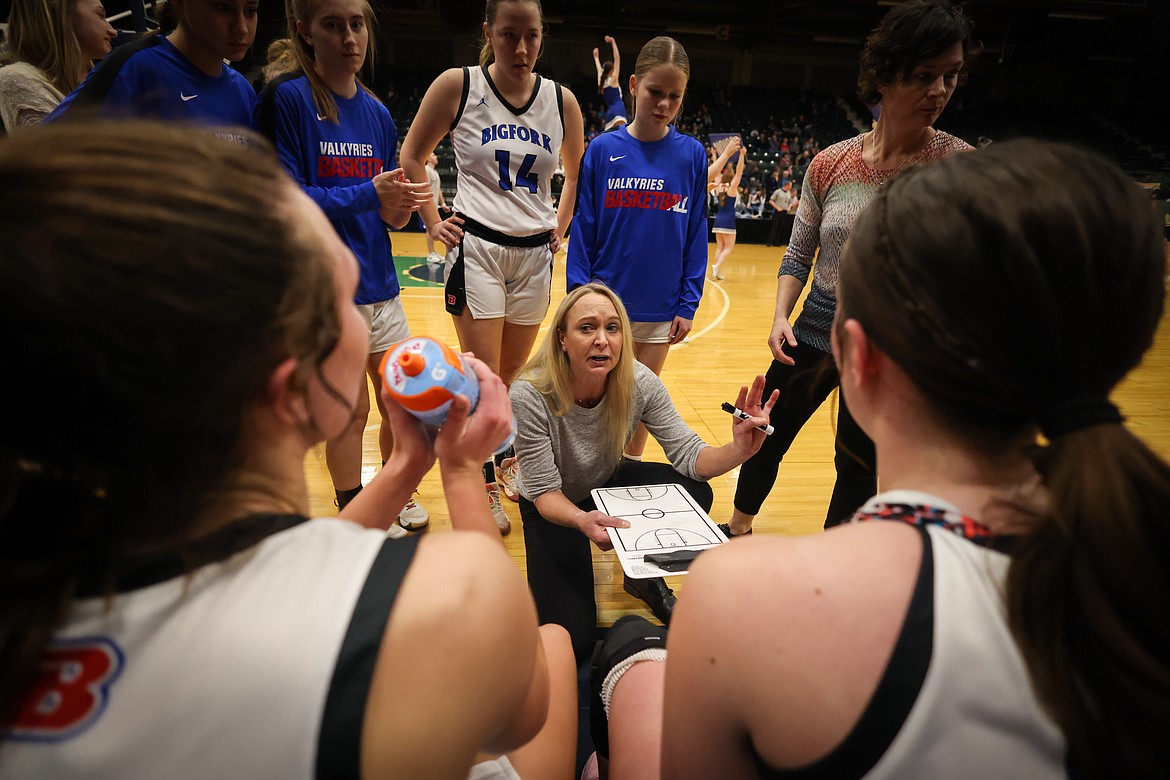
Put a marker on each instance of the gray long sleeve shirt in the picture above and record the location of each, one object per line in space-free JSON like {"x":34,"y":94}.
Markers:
{"x":565,"y":453}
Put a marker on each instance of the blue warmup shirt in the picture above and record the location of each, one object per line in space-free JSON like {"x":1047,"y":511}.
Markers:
{"x":151,"y":78}
{"x":641,"y":226}
{"x":335,"y":164}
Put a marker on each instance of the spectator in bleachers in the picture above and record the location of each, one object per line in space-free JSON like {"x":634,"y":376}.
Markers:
{"x":51,"y":47}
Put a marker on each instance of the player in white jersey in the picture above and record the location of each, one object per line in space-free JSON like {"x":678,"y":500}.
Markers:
{"x":167,"y":609}
{"x":508,"y":126}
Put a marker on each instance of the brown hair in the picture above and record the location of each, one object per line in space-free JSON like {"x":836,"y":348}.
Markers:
{"x":909,"y":33}
{"x":306,"y":58}
{"x":549,"y":372}
{"x":662,"y":50}
{"x":40,"y":33}
{"x":1075,"y":277}
{"x":150,"y":281}
{"x":606,"y":69}
{"x":486,"y":55}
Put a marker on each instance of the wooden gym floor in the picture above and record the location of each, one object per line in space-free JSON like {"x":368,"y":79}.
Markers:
{"x":726,"y":349}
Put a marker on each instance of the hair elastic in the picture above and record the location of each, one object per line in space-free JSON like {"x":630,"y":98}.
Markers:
{"x":1077,"y":414}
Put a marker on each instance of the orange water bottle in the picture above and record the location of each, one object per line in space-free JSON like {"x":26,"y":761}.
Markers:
{"x":425,"y":375}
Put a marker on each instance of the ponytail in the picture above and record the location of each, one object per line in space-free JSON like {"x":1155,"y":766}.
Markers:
{"x":1087,"y":593}
{"x":1088,"y":600}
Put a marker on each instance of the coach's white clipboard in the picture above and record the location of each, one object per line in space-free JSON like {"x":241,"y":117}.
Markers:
{"x":662,"y":518}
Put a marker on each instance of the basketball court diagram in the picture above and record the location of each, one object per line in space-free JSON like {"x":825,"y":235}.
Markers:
{"x":662,"y":518}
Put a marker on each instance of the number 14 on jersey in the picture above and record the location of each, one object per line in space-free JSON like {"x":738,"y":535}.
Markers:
{"x":524,"y":176}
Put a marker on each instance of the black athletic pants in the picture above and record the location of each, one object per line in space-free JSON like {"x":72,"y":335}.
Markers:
{"x":803,"y":387}
{"x":560,"y":561}
{"x":775,"y":228}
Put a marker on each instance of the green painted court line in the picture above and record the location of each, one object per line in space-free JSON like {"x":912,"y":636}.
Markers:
{"x":423,"y":276}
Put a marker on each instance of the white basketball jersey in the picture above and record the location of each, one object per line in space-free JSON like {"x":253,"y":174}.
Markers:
{"x":230,"y":672}
{"x":976,"y":715}
{"x":506,"y":155}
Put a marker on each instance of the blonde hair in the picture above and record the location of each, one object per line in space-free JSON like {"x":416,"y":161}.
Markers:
{"x":549,"y":372}
{"x":306,"y":58}
{"x":281,"y":59}
{"x":486,"y":55}
{"x":662,"y":50}
{"x":40,"y":32}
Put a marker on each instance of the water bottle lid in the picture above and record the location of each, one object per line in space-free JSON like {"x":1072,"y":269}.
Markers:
{"x":412,"y":363}
{"x":423,"y":374}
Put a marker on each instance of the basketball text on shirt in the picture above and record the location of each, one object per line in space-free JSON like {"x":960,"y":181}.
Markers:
{"x":637,"y":193}
{"x":343,"y":160}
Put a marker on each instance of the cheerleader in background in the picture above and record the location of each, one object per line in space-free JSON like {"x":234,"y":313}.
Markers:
{"x":609,"y":85}
{"x":727,"y":189}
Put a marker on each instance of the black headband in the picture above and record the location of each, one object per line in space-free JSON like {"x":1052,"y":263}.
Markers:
{"x":1074,"y":415}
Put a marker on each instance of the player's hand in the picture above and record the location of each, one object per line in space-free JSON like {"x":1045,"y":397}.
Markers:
{"x":609,"y":39}
{"x":447,"y":231}
{"x":679,"y":329}
{"x":593,"y":525}
{"x":466,"y":440}
{"x":596,"y":53}
{"x":745,"y":433}
{"x":781,"y":334}
{"x":734,"y":143}
{"x":554,"y":241}
{"x":397,"y":193}
{"x":413,"y":440}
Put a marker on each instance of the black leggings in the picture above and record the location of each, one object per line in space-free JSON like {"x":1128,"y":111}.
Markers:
{"x":560,"y":561}
{"x":803,"y":387}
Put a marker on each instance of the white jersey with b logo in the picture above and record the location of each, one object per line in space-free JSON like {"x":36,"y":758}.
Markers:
{"x":506,"y":155}
{"x":256,"y":666}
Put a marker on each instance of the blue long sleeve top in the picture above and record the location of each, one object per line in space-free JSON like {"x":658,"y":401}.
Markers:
{"x":641,"y":226}
{"x":335,"y":163}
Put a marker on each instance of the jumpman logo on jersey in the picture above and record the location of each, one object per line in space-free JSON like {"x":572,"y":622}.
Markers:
{"x":482,"y":101}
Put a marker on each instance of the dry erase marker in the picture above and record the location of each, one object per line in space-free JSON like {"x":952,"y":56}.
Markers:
{"x":742,"y":415}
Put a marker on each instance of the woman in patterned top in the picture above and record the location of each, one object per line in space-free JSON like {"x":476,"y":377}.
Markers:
{"x":910,"y":67}
{"x":1015,"y":621}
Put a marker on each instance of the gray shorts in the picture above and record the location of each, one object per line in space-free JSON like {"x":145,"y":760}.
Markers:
{"x":495,"y":281}
{"x":386,"y":322}
{"x":651,"y":332}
